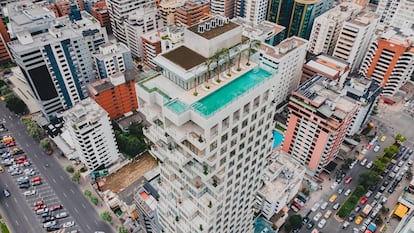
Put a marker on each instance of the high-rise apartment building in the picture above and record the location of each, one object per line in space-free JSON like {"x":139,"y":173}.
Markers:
{"x":365,"y":91}
{"x":328,"y":66}
{"x":224,"y":7}
{"x":267,"y":32}
{"x":146,"y":201}
{"x":209,"y":129}
{"x":91,"y":131}
{"x":140,"y":21}
{"x":255,"y":11}
{"x":192,"y":12}
{"x":116,"y":94}
{"x":56,"y":64}
{"x":112,"y":58}
{"x":99,"y":10}
{"x":319,"y":117}
{"x":396,"y":13}
{"x":4,"y":39}
{"x":119,"y":13}
{"x":287,"y":59}
{"x":355,"y":37}
{"x":156,"y":42}
{"x":297,"y":15}
{"x":167,"y":11}
{"x":326,"y":28}
{"x":281,"y":182}
{"x":390,"y":60}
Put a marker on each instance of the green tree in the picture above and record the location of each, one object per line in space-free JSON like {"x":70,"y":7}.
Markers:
{"x":400,"y":139}
{"x":4,"y":90}
{"x":293,"y":222}
{"x":208,"y":64}
{"x":76,"y":177}
{"x":16,"y":105}
{"x":390,"y":151}
{"x":106,"y":216}
{"x":87,"y":193}
{"x":253,"y":46}
{"x":70,"y":169}
{"x":122,"y":229}
{"x":409,"y":174}
{"x":368,"y":178}
{"x":45,"y":144}
{"x":94,"y":200}
{"x":217,"y":57}
{"x":2,"y":83}
{"x":35,"y":133}
{"x":226,"y":53}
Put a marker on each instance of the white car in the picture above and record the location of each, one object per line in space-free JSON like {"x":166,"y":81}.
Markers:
{"x":61,"y":215}
{"x":363,"y":162}
{"x":377,"y":148}
{"x":315,"y":206}
{"x":324,"y":205}
{"x":369,"y":165}
{"x":333,"y":186}
{"x":30,"y":193}
{"x":48,"y":224}
{"x":347,"y":192}
{"x":322,"y":223}
{"x":317,"y":216}
{"x":68,"y":224}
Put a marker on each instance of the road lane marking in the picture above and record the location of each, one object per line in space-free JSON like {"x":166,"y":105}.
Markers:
{"x":72,"y":191}
{"x":7,"y":185}
{"x":54,"y":180}
{"x":7,"y":205}
{"x":83,"y":205}
{"x":15,"y":200}
{"x":64,"y":194}
{"x":76,"y":210}
{"x":27,"y":145}
{"x":96,"y":222}
{"x":87,"y":226}
{"x":25,"y":217}
{"x":61,"y":177}
{"x":17,"y":223}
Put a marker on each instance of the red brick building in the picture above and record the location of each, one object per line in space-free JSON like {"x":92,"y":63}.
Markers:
{"x":192,"y":12}
{"x":4,"y":51}
{"x":100,"y":12}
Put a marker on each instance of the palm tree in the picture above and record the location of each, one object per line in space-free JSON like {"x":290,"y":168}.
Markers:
{"x":253,"y":46}
{"x":226,"y":52}
{"x":208,"y":63}
{"x":217,"y":57}
{"x":239,"y":58}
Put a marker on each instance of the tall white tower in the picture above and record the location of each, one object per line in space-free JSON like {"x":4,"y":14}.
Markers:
{"x":210,"y":130}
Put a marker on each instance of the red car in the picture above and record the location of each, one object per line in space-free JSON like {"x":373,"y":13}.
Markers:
{"x":38,"y":207}
{"x":55,"y":207}
{"x":10,"y":144}
{"x":363,"y":200}
{"x":368,"y":147}
{"x":348,"y":180}
{"x":39,"y":202}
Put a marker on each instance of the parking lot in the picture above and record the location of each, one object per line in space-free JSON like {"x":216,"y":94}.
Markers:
{"x":39,"y":196}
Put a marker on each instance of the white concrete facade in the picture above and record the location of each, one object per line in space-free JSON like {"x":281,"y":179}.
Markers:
{"x":326,"y":27}
{"x":91,"y":131}
{"x":281,"y":182}
{"x":255,"y":11}
{"x":112,"y":58}
{"x":354,"y":39}
{"x":211,"y":164}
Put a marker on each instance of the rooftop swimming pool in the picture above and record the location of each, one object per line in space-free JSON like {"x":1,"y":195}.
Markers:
{"x":260,"y":224}
{"x":226,"y":94}
{"x":277,"y":138}
{"x":177,"y":106}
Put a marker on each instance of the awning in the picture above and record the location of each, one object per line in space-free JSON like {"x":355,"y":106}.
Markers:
{"x":401,"y":210}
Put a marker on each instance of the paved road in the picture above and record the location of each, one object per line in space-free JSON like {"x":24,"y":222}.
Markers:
{"x":72,"y":199}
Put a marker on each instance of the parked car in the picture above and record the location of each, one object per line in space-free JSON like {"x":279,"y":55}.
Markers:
{"x":56,"y":207}
{"x":363,"y":162}
{"x":369,"y":165}
{"x":340,"y":191}
{"x":377,"y":148}
{"x":322,"y":223}
{"x":336,"y":206}
{"x":317,"y":216}
{"x":348,"y":180}
{"x":6,"y":193}
{"x":29,"y":193}
{"x":351,"y":217}
{"x":358,"y":220}
{"x":368,"y":194}
{"x":310,"y":224}
{"x":345,"y":225}
{"x":348,"y":191}
{"x":71,"y":224}
{"x":324,"y":205}
{"x":363,"y":200}
{"x":61,"y":215}
{"x":328,"y":214}
{"x":357,"y":208}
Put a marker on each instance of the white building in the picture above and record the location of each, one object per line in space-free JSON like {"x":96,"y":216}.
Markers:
{"x":396,"y":13}
{"x":326,"y":27}
{"x":286,"y":59}
{"x":355,"y":37}
{"x":255,"y":11}
{"x":140,"y":21}
{"x":281,"y":182}
{"x":56,"y":63}
{"x":91,"y":131}
{"x":118,"y":13}
{"x":112,"y":58}
{"x":211,"y":136}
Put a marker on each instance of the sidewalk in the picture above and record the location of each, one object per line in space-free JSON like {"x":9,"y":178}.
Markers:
{"x":85,"y":185}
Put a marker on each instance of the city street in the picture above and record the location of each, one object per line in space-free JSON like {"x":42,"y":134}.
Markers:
{"x":19,"y":215}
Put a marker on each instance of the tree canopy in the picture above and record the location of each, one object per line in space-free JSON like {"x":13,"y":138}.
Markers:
{"x":293,"y":222}
{"x":368,"y":178}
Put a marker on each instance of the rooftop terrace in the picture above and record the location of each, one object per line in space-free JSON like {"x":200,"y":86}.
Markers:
{"x":213,"y":32}
{"x":184,"y":57}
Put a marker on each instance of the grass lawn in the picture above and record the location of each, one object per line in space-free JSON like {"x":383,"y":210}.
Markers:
{"x":4,"y":228}
{"x":280,"y":128}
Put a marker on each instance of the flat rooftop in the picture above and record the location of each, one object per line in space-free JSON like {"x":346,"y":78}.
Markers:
{"x":328,"y":64}
{"x":324,"y":94}
{"x":184,"y":57}
{"x":213,"y":32}
{"x":364,"y":18}
{"x":284,"y":48}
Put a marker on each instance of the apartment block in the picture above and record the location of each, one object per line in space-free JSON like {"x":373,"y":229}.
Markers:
{"x":100,"y":11}
{"x":396,"y":13}
{"x":282,"y":179}
{"x":119,"y":14}
{"x":146,"y":201}
{"x":62,"y":8}
{"x":225,"y":8}
{"x":116,"y":94}
{"x":192,"y":12}
{"x":210,"y":130}
{"x":254,"y":11}
{"x":390,"y":60}
{"x":5,"y":56}
{"x":112,"y":58}
{"x":328,"y":66}
{"x":366,"y":91}
{"x":355,"y":37}
{"x":167,"y":11}
{"x":91,"y":131}
{"x":326,"y":27}
{"x":286,"y":59}
{"x":143,"y":20}
{"x":156,"y":42}
{"x":57,"y":63}
{"x":319,"y":117}
{"x":267,"y":32}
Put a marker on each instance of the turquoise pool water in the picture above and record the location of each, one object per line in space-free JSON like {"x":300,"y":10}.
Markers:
{"x":220,"y":98}
{"x":260,"y":224}
{"x":177,"y":106}
{"x":277,"y":138}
